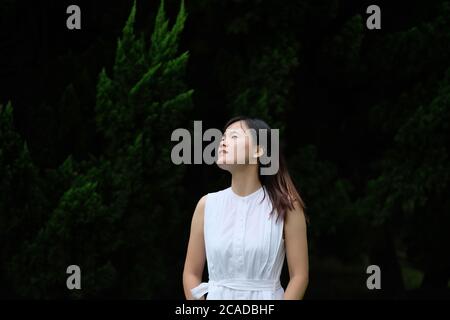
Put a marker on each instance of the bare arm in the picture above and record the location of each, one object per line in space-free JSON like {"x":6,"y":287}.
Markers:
{"x":196,"y":256}
{"x":296,"y":253}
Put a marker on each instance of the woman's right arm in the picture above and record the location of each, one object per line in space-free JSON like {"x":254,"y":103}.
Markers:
{"x":196,"y":255}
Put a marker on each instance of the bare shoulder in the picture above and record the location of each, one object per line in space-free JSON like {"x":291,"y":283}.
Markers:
{"x":202,"y":201}
{"x":295,"y":216}
{"x":200,"y":208}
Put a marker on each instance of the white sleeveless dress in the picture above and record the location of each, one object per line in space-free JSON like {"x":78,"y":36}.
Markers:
{"x":244,"y":247}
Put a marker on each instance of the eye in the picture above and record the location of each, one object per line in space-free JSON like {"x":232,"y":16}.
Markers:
{"x":234,"y":136}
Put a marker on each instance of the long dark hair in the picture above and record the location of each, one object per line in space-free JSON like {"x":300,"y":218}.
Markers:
{"x":280,"y":187}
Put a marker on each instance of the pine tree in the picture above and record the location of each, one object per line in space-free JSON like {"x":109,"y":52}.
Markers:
{"x":22,"y":200}
{"x":137,"y":109}
{"x":409,"y":193}
{"x":118,"y":211}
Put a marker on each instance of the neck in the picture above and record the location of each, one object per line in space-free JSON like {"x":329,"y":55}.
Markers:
{"x":245,"y":180}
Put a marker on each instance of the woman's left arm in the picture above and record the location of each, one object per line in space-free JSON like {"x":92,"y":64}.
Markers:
{"x":296,"y":253}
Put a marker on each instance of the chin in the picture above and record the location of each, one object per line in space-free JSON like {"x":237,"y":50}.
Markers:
{"x":224,"y":166}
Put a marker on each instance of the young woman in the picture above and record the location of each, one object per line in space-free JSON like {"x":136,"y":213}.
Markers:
{"x":235,"y":229}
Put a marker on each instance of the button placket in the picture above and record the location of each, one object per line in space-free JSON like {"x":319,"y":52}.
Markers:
{"x":239,"y":241}
{"x":242,"y":227}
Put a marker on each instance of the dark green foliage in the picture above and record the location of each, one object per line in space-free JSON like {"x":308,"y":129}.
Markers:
{"x":85,"y":169}
{"x":22,"y":200}
{"x":109,"y":216}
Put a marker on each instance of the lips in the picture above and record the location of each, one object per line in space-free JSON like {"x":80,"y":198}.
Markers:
{"x":223,"y":151}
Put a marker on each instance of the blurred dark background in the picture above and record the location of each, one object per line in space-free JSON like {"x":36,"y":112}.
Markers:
{"x":86,"y":120}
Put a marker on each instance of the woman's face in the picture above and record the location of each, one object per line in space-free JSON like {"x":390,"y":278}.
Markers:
{"x":236,"y":147}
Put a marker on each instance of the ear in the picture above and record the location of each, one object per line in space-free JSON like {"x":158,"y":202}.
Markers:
{"x":259,"y":152}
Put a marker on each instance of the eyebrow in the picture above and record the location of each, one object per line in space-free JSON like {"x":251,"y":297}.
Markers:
{"x":235,"y":130}
{"x":232,"y":130}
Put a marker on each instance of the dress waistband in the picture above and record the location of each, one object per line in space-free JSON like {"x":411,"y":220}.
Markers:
{"x":236,"y":284}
